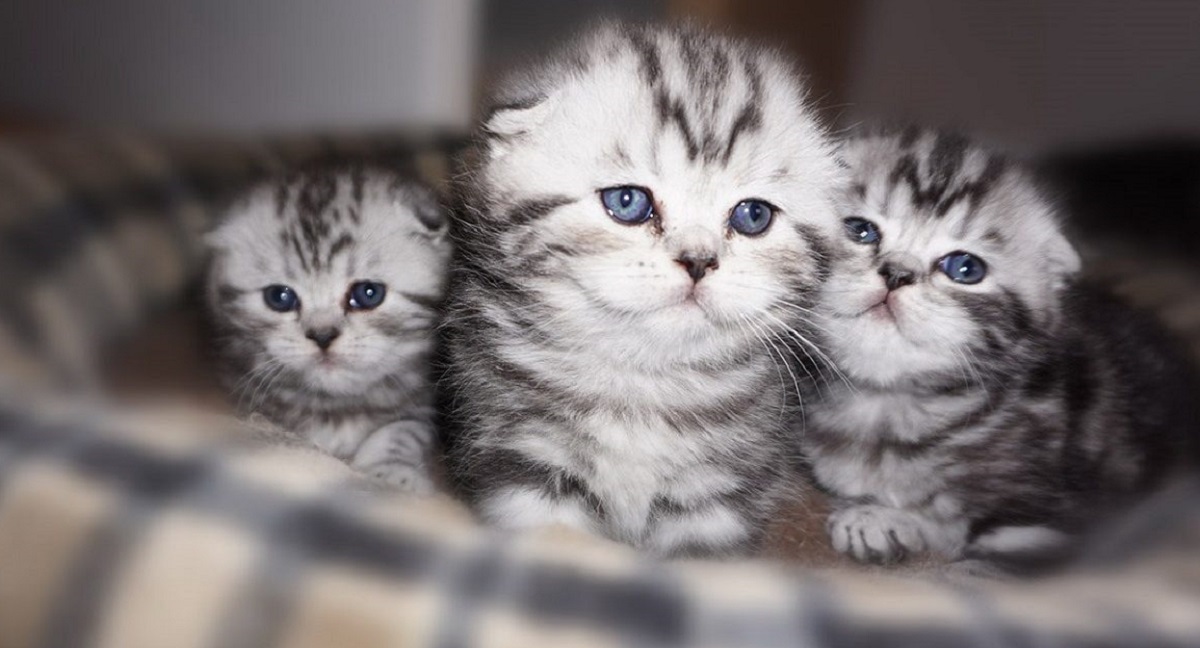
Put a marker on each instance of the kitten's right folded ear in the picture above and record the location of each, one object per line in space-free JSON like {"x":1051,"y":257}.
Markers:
{"x":519,"y":117}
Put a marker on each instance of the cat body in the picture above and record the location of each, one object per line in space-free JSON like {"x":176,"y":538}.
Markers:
{"x":646,"y":217}
{"x":323,"y":293}
{"x":993,"y":406}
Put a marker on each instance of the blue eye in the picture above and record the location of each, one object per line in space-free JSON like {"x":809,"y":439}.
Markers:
{"x":963,"y":267}
{"x":861,"y":230}
{"x":280,"y":298}
{"x":751,"y":217}
{"x":365,"y":295}
{"x":629,"y":205}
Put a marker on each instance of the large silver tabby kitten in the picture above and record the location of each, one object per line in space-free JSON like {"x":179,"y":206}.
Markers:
{"x":992,"y":406}
{"x":645,"y":226}
{"x":323,"y":291}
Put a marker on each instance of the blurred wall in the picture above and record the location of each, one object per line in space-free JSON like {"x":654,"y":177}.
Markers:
{"x":1034,"y":74}
{"x":240,"y":65}
{"x":514,"y":29}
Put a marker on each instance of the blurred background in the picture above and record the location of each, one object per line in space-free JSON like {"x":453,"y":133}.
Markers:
{"x":1038,"y":74}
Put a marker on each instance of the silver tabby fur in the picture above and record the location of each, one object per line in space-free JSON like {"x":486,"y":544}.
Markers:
{"x":592,"y":382}
{"x":991,"y":420}
{"x":367,"y":398}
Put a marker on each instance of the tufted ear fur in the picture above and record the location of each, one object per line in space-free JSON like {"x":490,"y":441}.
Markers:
{"x":519,"y":117}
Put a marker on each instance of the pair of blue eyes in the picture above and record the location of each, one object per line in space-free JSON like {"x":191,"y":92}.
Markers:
{"x":363,"y":295}
{"x":961,"y":267}
{"x":633,"y":206}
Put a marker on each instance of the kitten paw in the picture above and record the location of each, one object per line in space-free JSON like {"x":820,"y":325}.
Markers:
{"x":409,"y":479}
{"x":876,"y":534}
{"x":399,"y":455}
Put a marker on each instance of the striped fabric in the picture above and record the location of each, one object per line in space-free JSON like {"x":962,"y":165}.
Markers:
{"x":129,"y":528}
{"x":125,"y":541}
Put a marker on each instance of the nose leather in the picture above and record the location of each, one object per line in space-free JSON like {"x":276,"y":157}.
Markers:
{"x":896,"y":276}
{"x":323,"y":337}
{"x":697,"y":265}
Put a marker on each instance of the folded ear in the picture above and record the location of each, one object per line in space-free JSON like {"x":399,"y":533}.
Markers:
{"x":216,"y":236}
{"x":519,"y":117}
{"x":1062,"y":258}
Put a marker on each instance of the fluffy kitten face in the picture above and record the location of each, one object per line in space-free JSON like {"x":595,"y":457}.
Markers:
{"x":328,"y":283}
{"x":917,"y":202}
{"x":694,"y":130}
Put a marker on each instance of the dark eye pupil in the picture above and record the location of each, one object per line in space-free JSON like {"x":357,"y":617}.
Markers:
{"x":279,"y":298}
{"x":366,"y":295}
{"x":861,"y":231}
{"x":628,"y":205}
{"x":964,"y":268}
{"x":751,"y":217}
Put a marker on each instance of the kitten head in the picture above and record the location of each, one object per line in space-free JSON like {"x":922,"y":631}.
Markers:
{"x":957,"y":260}
{"x":327,"y":281}
{"x":664,"y":187}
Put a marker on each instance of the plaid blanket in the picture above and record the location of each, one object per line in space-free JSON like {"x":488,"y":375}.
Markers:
{"x":134,"y":538}
{"x":126,"y":527}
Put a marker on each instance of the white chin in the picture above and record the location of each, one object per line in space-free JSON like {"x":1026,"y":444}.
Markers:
{"x":873,"y":349}
{"x":336,"y":378}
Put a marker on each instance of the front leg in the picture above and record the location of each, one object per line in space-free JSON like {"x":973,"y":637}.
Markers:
{"x":877,"y":534}
{"x":399,"y":454}
{"x":523,"y":507}
{"x":514,"y":491}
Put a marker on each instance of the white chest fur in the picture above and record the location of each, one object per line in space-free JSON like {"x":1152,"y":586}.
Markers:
{"x":896,"y":416}
{"x":879,"y":430}
{"x":628,"y":463}
{"x":635,"y":461}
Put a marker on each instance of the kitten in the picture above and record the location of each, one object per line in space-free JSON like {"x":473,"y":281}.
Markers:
{"x":645,"y":221}
{"x":992,"y":406}
{"x":323,"y":291}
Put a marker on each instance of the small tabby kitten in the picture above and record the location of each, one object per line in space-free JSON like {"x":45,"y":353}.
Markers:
{"x":992,"y":407}
{"x":646,"y":220}
{"x":323,"y":292}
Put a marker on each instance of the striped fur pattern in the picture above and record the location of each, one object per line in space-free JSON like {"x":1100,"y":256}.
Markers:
{"x":594,"y":382}
{"x":351,"y":380}
{"x":994,"y":419}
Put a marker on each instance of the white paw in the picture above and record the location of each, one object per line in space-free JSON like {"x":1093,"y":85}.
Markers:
{"x":876,"y":534}
{"x":399,"y":455}
{"x":406,"y":478}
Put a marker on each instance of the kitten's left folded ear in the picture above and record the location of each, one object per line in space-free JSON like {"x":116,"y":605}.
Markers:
{"x":519,"y":117}
{"x":1062,"y":259}
{"x":427,"y":208}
